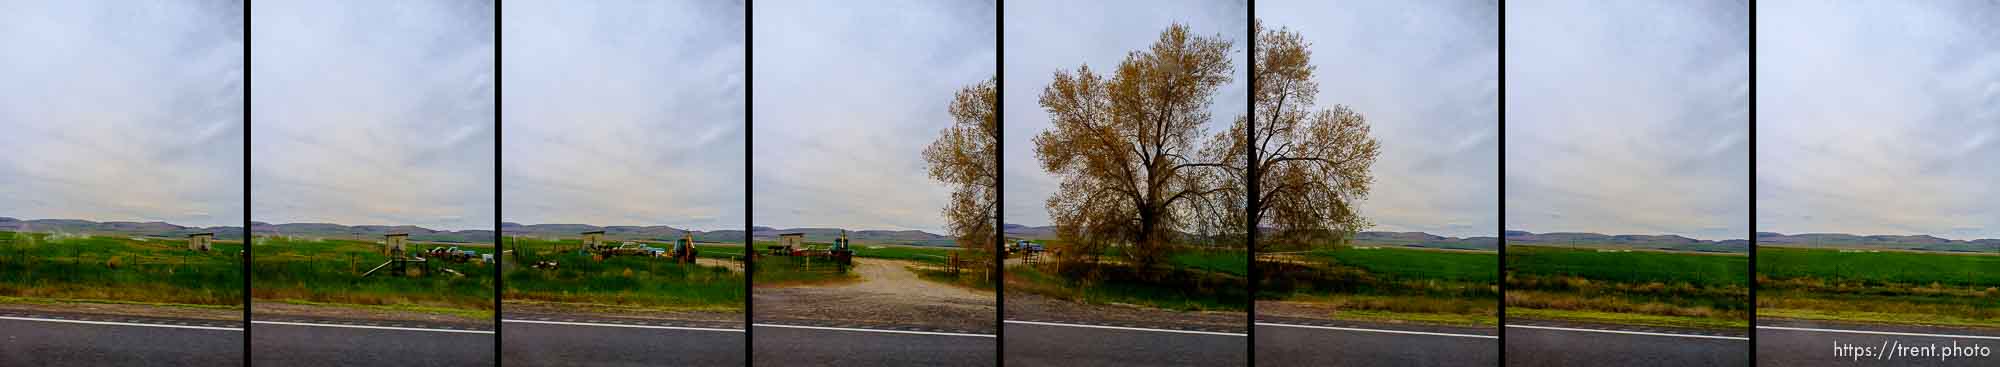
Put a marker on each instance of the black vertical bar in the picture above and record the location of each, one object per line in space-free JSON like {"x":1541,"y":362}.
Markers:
{"x":244,"y":256}
{"x":498,"y":258}
{"x":999,"y":185}
{"x":1752,"y":198}
{"x":1501,"y":178}
{"x":1250,"y":192}
{"x":749,"y":224}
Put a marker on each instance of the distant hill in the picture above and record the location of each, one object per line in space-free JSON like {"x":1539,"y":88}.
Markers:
{"x":870,"y":236}
{"x":655,"y":233}
{"x":1849,"y":241}
{"x":1407,"y":239}
{"x":1031,"y":233}
{"x":154,"y":229}
{"x":1629,"y":241}
{"x":1421,"y":239}
{"x":368,"y":232}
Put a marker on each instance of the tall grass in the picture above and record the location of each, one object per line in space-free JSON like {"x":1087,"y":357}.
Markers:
{"x":329,"y":271}
{"x":152,"y":270}
{"x":631,"y":281}
{"x":1636,"y":286}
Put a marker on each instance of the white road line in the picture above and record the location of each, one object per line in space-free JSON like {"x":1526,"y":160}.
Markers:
{"x":875,"y":330}
{"x":1379,"y":330}
{"x":121,"y":323}
{"x":1631,"y":332}
{"x":1127,"y":328}
{"x":1879,"y":332}
{"x":620,"y":325}
{"x":372,"y":327}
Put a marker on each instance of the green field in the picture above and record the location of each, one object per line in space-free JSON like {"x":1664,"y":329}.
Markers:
{"x":624,"y":281}
{"x":1886,"y":286}
{"x":1878,"y":268}
{"x":1388,"y":283}
{"x":328,"y":271}
{"x":1192,"y":279}
{"x":120,"y":269}
{"x":1634,"y":287}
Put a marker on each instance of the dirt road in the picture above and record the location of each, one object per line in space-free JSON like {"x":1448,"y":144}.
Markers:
{"x":888,"y":294}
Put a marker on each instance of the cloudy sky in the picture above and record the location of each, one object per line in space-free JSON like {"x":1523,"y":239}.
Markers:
{"x":1425,"y":73}
{"x":373,"y":112}
{"x":113,"y":110}
{"x":623,"y":113}
{"x":847,"y":95}
{"x":1879,"y":118}
{"x":1628,"y":117}
{"x":1045,"y":36}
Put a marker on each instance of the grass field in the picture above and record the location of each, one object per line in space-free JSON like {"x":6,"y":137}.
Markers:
{"x":623,"y":281}
{"x":1887,"y":286}
{"x":1389,"y":283}
{"x":1632,"y":287}
{"x":328,"y":272}
{"x":1192,"y":279}
{"x":120,"y":269}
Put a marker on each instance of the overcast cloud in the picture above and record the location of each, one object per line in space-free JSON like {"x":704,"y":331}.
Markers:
{"x":373,"y":112}
{"x":1044,"y":36}
{"x":623,"y":113}
{"x":1628,"y":117}
{"x":127,"y":111}
{"x":847,"y":95}
{"x":1425,"y":73}
{"x":1879,"y":117}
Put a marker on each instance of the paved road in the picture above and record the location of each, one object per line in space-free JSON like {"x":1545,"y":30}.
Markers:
{"x":1045,"y":345}
{"x":1681,"y":348}
{"x":43,"y":343}
{"x":1296,"y":343}
{"x":309,"y":346}
{"x":1781,"y":343}
{"x":778,"y":346}
{"x":536,"y":344}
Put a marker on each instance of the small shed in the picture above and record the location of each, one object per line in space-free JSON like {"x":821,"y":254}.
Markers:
{"x":792,"y":240}
{"x":593,"y":239}
{"x":394,"y":243}
{"x":199,"y":241}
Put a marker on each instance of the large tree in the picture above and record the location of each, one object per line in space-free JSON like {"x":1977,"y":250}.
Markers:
{"x":1312,"y":166}
{"x":966,"y":156}
{"x":1125,"y":148}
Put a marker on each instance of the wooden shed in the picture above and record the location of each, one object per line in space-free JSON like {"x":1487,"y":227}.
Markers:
{"x":394,"y":243}
{"x":792,"y":240}
{"x":593,"y":239}
{"x":200,"y":241}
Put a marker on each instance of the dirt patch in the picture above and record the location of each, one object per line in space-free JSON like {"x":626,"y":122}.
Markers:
{"x":261,"y":310}
{"x":886,"y":294}
{"x":1033,"y":307}
{"x":511,"y":309}
{"x":159,"y":311}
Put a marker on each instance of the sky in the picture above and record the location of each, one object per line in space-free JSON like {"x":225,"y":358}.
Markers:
{"x":1628,"y":117}
{"x":1879,"y":118}
{"x":847,"y":95}
{"x":1426,"y":75}
{"x":1046,"y":36}
{"x":373,"y":112}
{"x":120,"y":111}
{"x":623,"y":113}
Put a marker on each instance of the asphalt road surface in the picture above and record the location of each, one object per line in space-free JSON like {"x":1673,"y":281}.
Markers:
{"x":311,"y":346}
{"x":1809,"y":343}
{"x":783,"y":346}
{"x":1371,"y":344}
{"x":542,"y":344}
{"x":1050,"y":345}
{"x":1592,"y":345}
{"x":44,"y":343}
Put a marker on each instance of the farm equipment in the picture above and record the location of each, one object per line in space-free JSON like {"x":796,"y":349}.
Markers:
{"x":793,"y":244}
{"x":684,"y":251}
{"x":452,"y":254}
